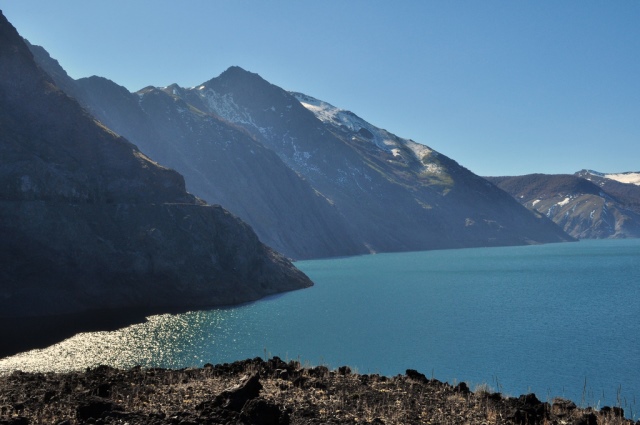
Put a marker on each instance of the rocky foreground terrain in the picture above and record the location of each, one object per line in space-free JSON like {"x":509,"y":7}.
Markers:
{"x":270,"y":392}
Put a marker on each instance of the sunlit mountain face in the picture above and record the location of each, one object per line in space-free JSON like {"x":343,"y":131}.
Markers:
{"x":587,"y":204}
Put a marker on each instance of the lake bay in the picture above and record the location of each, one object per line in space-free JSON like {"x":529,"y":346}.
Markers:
{"x":557,"y":320}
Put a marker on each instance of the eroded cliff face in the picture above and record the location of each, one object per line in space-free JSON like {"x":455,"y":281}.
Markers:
{"x":89,"y":222}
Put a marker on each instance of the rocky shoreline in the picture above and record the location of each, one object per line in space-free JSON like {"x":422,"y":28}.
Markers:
{"x":271,"y":392}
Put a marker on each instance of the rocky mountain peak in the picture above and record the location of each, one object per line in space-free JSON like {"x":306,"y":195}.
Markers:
{"x":236,"y":73}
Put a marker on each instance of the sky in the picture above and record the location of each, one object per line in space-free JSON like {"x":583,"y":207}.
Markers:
{"x":502,"y":87}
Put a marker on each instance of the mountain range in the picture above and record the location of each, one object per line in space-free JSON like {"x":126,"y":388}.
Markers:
{"x":89,"y":222}
{"x":586,"y":205}
{"x":311,"y":179}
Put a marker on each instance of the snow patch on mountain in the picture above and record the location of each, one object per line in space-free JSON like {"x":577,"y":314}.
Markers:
{"x":422,"y":152}
{"x":330,"y":114}
{"x":224,"y":106}
{"x":324,"y":111}
{"x":301,"y":158}
{"x":630,"y":177}
{"x":384,"y":140}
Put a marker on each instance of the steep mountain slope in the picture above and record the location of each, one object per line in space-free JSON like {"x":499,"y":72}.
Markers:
{"x":88,"y":222}
{"x":587,"y":209}
{"x":398,"y":194}
{"x":221,"y":163}
{"x":385,"y":193}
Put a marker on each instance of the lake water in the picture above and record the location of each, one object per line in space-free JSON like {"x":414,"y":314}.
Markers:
{"x":557,"y":320}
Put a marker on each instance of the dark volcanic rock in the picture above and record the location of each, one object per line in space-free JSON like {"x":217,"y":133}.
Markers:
{"x":236,"y":397}
{"x":89,"y":222}
{"x":616,"y":412}
{"x":416,"y":376}
{"x":261,"y":412}
{"x":159,"y":396}
{"x":562,"y":407}
{"x":527,"y":409}
{"x":463,"y":388}
{"x":95,"y":407}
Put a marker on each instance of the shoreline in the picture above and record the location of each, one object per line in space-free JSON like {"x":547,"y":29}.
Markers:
{"x":21,"y":334}
{"x":255,"y":391}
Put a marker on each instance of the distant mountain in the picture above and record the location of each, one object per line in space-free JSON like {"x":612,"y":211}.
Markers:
{"x":89,"y":222}
{"x":621,"y":186}
{"x":587,"y":205}
{"x":628,"y":177}
{"x":313,"y":180}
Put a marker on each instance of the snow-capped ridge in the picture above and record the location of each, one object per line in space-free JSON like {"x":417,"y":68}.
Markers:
{"x":628,"y":177}
{"x":384,"y":140}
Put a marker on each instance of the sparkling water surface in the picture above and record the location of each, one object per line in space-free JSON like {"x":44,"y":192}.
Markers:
{"x":557,"y":320}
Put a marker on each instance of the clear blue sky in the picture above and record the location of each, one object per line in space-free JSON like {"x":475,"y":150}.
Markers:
{"x":502,"y":87}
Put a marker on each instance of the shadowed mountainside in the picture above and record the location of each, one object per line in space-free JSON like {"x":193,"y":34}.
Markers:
{"x":222,"y":163}
{"x":88,"y":222}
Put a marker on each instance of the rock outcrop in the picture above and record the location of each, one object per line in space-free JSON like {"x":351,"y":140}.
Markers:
{"x":89,"y":222}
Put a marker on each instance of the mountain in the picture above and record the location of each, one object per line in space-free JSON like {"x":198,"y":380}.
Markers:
{"x":624,"y":187}
{"x":348,"y":188}
{"x":632,"y":177}
{"x":89,"y":222}
{"x":220,"y":161}
{"x":587,"y":205}
{"x":397,"y":194}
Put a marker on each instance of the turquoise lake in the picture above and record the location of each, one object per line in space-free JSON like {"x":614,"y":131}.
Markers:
{"x":558,"y":320}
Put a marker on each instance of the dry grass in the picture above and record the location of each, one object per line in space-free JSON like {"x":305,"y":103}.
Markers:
{"x":306,"y":395}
